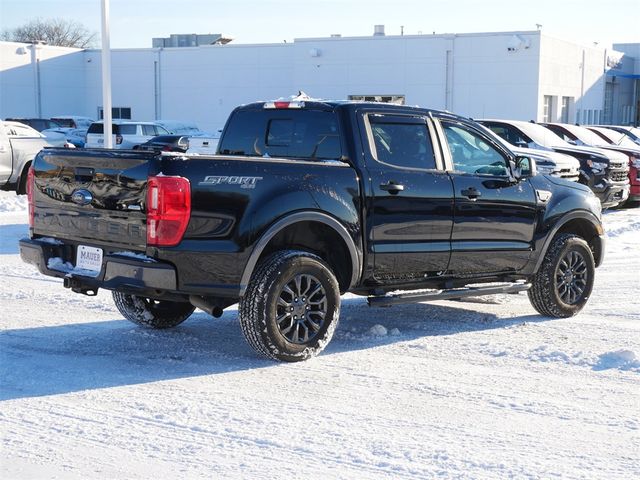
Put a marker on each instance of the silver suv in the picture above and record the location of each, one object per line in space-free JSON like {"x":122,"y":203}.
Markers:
{"x":126,"y":133}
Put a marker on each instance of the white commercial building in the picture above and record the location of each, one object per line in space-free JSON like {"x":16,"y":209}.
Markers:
{"x":512,"y":75}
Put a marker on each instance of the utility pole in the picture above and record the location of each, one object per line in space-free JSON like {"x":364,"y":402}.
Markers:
{"x":106,"y":77}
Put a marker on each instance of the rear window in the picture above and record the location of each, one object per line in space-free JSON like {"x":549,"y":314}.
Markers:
{"x":308,"y":134}
{"x":65,"y":122}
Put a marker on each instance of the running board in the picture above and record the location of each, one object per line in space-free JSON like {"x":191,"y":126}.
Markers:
{"x":388,"y":300}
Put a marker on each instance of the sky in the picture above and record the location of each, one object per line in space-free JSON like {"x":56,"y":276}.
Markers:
{"x":135,"y":22}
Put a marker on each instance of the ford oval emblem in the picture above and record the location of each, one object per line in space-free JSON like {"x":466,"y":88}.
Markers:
{"x":82,"y":197}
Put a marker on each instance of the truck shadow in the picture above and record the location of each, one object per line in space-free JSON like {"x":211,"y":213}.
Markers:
{"x":8,"y":235}
{"x":84,"y":356}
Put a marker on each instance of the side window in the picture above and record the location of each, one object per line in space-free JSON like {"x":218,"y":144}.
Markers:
{"x":402,"y":141}
{"x":149,"y":130}
{"x":128,"y":129}
{"x":472,"y":153}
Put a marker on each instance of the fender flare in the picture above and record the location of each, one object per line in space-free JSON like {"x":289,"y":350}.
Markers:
{"x":575,"y":215}
{"x":272,"y":231}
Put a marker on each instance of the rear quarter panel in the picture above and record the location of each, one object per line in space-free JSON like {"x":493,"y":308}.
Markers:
{"x":236,"y":199}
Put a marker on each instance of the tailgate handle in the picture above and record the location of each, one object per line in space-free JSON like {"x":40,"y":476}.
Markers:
{"x":84,"y":174}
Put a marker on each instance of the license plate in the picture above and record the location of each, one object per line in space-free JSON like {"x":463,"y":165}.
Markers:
{"x":89,"y":258}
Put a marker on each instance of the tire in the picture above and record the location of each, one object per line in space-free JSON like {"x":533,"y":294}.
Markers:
{"x":157,"y":314}
{"x":563,"y":284}
{"x":291,"y":306}
{"x":21,"y":186}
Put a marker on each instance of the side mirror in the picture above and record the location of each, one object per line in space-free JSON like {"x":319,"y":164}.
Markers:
{"x":525,"y":167}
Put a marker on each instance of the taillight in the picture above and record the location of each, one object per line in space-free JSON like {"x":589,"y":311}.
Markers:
{"x":30,"y":186}
{"x":168,"y":210}
{"x":118,"y":139}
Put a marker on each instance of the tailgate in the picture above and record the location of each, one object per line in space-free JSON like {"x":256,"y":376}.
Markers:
{"x":92,"y":197}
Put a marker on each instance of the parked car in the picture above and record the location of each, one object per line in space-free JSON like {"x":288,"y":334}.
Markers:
{"x":165,"y":143}
{"x":126,"y":133}
{"x":604,"y":171}
{"x":632,"y":132}
{"x":305,"y":201}
{"x":55,"y":134}
{"x":177,"y":127}
{"x":547,"y":162}
{"x":53,"y":138}
{"x":76,"y":136}
{"x":19,"y":144}
{"x":73,"y":121}
{"x":623,"y":143}
{"x":180,"y":143}
{"x":38,"y":124}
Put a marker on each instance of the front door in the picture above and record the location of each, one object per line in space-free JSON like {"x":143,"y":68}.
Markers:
{"x":410,"y":208}
{"x":494,"y":216}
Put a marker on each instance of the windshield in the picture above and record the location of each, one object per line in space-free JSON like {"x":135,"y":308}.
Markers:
{"x":616,"y":138}
{"x":541,"y":135}
{"x":585,"y":135}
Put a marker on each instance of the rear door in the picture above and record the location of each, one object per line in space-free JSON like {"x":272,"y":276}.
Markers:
{"x":410,"y":209}
{"x":494,"y":216}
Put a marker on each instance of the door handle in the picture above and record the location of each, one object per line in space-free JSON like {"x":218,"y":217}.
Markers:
{"x":471,"y":193}
{"x":392,"y":187}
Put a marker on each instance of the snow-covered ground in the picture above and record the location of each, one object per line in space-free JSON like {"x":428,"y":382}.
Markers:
{"x":484,"y":389}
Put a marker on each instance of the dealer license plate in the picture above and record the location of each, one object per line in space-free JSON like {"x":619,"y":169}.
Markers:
{"x":89,"y":258}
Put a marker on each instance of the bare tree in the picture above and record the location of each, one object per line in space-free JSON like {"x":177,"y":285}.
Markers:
{"x":52,"y":31}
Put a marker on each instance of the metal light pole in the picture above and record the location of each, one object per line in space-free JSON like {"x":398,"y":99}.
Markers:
{"x":106,"y":77}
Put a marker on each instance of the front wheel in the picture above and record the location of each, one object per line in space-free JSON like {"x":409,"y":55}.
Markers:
{"x":147,"y":312}
{"x":563,"y":284}
{"x":291,"y":307}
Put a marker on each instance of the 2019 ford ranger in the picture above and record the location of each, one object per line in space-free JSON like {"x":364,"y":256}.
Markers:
{"x":306,"y":200}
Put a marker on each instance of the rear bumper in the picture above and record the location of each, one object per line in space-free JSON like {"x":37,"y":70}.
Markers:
{"x":118,"y":272}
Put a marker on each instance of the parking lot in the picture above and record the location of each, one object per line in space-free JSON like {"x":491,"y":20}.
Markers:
{"x":481,"y":388}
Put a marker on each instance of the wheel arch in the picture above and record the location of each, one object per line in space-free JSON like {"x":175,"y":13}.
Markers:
{"x":584,"y":224}
{"x":301,"y":230}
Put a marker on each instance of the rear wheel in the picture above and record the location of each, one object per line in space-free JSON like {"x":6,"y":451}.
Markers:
{"x":563,"y":284}
{"x":291,"y":307}
{"x":147,"y":312}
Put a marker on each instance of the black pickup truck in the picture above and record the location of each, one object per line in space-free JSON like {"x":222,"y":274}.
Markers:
{"x":306,"y":200}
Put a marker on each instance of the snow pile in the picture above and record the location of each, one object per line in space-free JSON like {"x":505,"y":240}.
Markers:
{"x":58,"y":264}
{"x":378,"y":330}
{"x":381,"y":331}
{"x":10,"y":202}
{"x":620,"y":359}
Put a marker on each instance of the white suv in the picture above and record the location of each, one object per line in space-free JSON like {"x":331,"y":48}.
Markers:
{"x":126,"y":133}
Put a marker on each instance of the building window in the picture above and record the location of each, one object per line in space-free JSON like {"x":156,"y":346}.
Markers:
{"x":396,"y":99}
{"x":122,"y":113}
{"x":547,"y":112}
{"x":566,"y":106}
